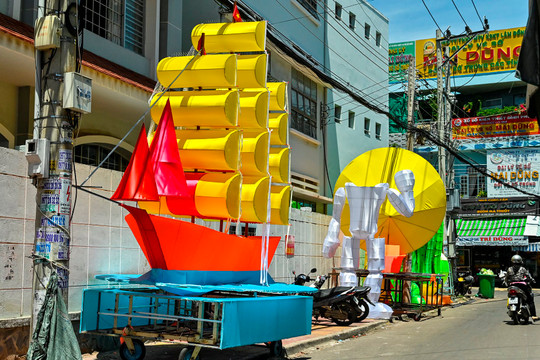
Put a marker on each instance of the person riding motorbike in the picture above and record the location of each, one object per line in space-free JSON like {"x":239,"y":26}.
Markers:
{"x":518,"y":273}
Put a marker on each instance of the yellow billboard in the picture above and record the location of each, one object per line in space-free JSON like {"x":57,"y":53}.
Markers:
{"x":495,"y":51}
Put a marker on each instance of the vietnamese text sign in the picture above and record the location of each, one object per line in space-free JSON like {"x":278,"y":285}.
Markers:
{"x":486,"y":53}
{"x":494,"y":126}
{"x":399,"y":55}
{"x":492,"y":240}
{"x":518,"y":167}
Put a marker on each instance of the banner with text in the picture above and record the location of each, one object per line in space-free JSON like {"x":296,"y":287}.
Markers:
{"x":486,"y":53}
{"x":518,"y":167}
{"x":494,"y":126}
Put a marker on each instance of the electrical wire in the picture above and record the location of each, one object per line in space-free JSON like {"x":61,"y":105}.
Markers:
{"x":459,"y":12}
{"x":479,"y":17}
{"x":140,"y":119}
{"x":430,"y":14}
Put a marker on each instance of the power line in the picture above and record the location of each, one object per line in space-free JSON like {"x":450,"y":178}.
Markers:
{"x":475,"y":9}
{"x":461,"y":16}
{"x":430,"y":14}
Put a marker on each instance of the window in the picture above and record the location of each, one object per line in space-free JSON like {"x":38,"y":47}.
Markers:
{"x":492,"y":103}
{"x":352,"y":20}
{"x":366,"y":126}
{"x":252,"y":230}
{"x":519,"y":99}
{"x":473,"y":184}
{"x":310,"y":6}
{"x":378,"y":38}
{"x":94,"y":154}
{"x":338,"y":10}
{"x":120,"y":21}
{"x":367,"y":29}
{"x":337,"y":114}
{"x":351,"y":119}
{"x":303,"y":104}
{"x":377,"y":131}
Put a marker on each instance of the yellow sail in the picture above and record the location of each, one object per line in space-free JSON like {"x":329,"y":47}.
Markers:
{"x":207,"y":71}
{"x":231,"y":37}
{"x":217,"y":150}
{"x":199,"y":108}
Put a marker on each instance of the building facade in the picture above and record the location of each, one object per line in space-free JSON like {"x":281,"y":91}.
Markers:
{"x":494,"y":140}
{"x":328,"y":51}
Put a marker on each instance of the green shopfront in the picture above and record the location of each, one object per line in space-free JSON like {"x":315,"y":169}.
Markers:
{"x":488,"y":231}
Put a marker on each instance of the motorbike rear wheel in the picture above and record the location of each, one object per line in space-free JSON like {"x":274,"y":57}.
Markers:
{"x":515,"y":318}
{"x":349,"y":310}
{"x":363,"y":310}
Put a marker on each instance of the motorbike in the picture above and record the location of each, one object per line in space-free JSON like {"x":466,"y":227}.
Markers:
{"x":517,"y":304}
{"x":342,"y":304}
{"x":464,"y":281}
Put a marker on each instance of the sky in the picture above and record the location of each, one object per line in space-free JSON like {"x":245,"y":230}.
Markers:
{"x":409,"y":19}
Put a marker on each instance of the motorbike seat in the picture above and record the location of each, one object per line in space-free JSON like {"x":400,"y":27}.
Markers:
{"x":331,"y":292}
{"x":363,"y":290}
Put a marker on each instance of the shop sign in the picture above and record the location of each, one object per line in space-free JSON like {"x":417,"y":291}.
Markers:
{"x":497,"y":207}
{"x":492,"y":240}
{"x":399,"y":55}
{"x":494,"y":126}
{"x":517,"y":167}
{"x":496,"y":51}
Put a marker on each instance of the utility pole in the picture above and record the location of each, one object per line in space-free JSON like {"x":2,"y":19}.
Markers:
{"x":410,"y":102}
{"x":50,"y":152}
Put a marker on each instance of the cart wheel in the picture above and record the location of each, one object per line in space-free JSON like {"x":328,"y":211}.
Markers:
{"x":138,"y":353}
{"x":185,"y":354}
{"x":276,"y":348}
{"x":417,"y":317}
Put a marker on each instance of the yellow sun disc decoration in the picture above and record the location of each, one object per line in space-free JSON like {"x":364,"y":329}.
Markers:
{"x":379,"y":166}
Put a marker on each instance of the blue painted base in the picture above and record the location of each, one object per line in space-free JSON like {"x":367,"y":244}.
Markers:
{"x":244,"y":320}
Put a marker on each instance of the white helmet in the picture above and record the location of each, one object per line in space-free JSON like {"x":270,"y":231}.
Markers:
{"x":516,"y":259}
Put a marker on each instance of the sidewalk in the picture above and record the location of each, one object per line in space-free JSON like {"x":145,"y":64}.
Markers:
{"x":322,"y":332}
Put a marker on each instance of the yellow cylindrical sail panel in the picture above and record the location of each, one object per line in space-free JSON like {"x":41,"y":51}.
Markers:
{"x":231,"y":37}
{"x":207,"y":71}
{"x":253,"y":110}
{"x":278,"y":123}
{"x":217,"y":195}
{"x":209,"y":149}
{"x":255,"y":199}
{"x":278,"y":95}
{"x":199,"y":108}
{"x":278,"y":164}
{"x":255,"y":153}
{"x":251,"y":71}
{"x":156,"y":207}
{"x":280,"y":199}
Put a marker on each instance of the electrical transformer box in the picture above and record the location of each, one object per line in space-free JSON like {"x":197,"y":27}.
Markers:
{"x":47,"y":30}
{"x":77,"y":93}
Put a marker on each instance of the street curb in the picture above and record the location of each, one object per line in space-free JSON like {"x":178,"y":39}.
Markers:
{"x":342,"y":335}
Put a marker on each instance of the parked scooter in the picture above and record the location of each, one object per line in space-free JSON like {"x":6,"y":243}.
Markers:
{"x":517,"y":304}
{"x":464,"y":281}
{"x":342,"y":304}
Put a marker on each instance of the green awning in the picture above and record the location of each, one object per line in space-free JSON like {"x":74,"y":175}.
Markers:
{"x":491,"y":227}
{"x":499,"y":231}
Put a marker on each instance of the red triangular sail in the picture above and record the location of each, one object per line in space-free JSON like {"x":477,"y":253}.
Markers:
{"x":138,"y":183}
{"x":165,"y":157}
